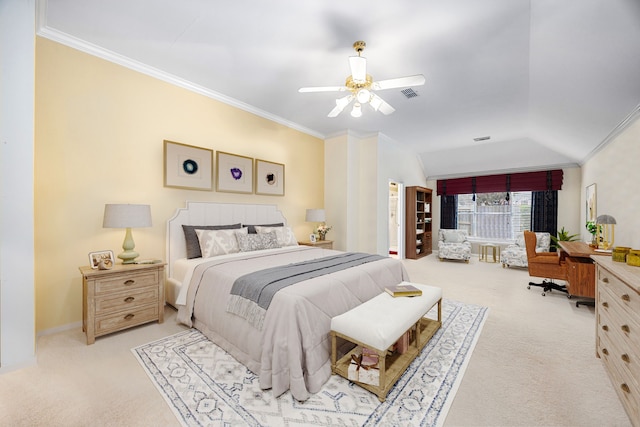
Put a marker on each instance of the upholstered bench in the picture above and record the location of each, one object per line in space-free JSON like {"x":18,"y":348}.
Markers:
{"x":378,"y":324}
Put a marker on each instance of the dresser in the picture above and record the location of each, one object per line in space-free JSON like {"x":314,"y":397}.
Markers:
{"x":618,"y":329}
{"x":117,"y":299}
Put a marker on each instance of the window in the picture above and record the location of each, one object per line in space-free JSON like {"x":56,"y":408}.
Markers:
{"x":491,"y":216}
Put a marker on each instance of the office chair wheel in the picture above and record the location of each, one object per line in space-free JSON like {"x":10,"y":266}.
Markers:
{"x":543,"y":294}
{"x":568,"y":296}
{"x":528,"y":286}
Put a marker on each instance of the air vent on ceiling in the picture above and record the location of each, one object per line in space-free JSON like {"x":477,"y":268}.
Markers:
{"x":482,"y":138}
{"x":409,"y":93}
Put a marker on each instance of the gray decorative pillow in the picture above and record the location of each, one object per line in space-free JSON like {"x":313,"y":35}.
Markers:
{"x":191,"y":238}
{"x":256,"y":242}
{"x":252,"y":228}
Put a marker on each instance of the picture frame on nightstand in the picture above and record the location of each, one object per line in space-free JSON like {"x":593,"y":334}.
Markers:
{"x":101,"y":260}
{"x":312,"y":238}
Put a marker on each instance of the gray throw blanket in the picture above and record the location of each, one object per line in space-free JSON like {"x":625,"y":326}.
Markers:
{"x":252,"y":293}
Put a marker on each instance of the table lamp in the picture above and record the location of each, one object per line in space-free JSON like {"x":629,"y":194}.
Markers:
{"x":127,"y":216}
{"x":605,"y":233}
{"x":315,"y":215}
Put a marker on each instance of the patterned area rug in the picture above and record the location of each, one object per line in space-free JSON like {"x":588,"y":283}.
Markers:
{"x":204,"y":386}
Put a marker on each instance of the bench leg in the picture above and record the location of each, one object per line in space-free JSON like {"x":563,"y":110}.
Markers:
{"x":333,"y":352}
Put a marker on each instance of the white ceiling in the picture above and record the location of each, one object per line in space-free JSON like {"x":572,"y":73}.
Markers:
{"x":549,"y":81}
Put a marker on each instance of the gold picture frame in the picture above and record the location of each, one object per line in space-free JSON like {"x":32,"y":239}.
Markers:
{"x":591,"y":203}
{"x":188,"y":167}
{"x":234,"y":173}
{"x":269,"y":178}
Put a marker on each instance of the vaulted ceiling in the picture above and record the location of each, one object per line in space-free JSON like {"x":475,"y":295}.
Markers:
{"x":548,"y":81}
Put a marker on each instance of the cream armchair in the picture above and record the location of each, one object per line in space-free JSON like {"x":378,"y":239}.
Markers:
{"x":454,"y":244}
{"x":515,"y":255}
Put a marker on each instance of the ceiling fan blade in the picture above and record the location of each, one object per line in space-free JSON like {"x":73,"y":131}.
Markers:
{"x":417,"y":80}
{"x":381,"y":105}
{"x":358,"y":65}
{"x":341,"y":104}
{"x":323,"y":89}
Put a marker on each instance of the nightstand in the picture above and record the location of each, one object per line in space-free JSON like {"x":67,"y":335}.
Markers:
{"x":117,"y":299}
{"x":325,"y":244}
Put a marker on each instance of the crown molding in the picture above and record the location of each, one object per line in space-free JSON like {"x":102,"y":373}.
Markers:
{"x":100,"y":52}
{"x":620,"y":127}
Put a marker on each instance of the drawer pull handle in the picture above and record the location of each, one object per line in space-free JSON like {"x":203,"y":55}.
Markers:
{"x":626,"y":297}
{"x":625,"y":388}
{"x":605,"y":304}
{"x":129,"y":299}
{"x":129,"y":316}
{"x":129,"y":282}
{"x":605,"y":351}
{"x":605,"y":280}
{"x":605,"y":328}
{"x":625,"y":357}
{"x":625,"y":328}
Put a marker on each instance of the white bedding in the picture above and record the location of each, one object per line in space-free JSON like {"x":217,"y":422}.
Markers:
{"x":292,"y":350}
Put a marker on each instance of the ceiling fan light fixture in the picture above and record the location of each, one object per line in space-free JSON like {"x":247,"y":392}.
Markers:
{"x":357,"y":110}
{"x":363,"y":96}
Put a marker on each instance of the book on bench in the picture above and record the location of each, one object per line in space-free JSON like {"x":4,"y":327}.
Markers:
{"x":403,"y":290}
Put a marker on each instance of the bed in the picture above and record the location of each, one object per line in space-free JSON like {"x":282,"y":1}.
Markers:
{"x":290,"y":348}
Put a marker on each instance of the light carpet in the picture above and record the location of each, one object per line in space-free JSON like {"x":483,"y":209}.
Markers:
{"x":205,"y":386}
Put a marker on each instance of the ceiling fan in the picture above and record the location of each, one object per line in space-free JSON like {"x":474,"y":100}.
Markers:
{"x":360,"y":86}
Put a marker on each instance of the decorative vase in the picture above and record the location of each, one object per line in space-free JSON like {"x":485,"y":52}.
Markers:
{"x":321,"y":236}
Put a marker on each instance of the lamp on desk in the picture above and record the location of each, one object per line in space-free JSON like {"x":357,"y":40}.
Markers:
{"x":605,"y":231}
{"x":127,"y":216}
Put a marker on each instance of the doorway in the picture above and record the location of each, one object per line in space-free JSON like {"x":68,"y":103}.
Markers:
{"x":396,"y":219}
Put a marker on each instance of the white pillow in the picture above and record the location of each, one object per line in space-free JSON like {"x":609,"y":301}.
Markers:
{"x":284,"y":234}
{"x":219,"y":242}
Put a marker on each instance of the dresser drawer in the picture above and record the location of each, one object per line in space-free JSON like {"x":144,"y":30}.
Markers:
{"x":122,"y":282}
{"x":125,"y":319}
{"x":613,"y":318}
{"x":626,"y":296}
{"x":126,"y":300}
{"x":624,"y":358}
{"x":622,"y":380}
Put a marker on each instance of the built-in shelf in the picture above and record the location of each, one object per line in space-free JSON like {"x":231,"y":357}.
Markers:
{"x":418,"y":222}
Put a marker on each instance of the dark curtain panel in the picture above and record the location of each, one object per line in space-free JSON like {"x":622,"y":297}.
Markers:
{"x":544,"y":211}
{"x":448,"y":211}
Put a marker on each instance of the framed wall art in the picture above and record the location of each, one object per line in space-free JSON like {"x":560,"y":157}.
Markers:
{"x":235,"y":173}
{"x":591,"y":212}
{"x":186,"y":166}
{"x":102,"y":260}
{"x":269,"y":178}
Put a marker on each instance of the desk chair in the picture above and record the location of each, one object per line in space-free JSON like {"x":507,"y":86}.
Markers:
{"x":544,"y":264}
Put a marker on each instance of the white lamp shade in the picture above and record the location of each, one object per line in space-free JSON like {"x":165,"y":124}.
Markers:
{"x":126,"y":216}
{"x":315,"y":215}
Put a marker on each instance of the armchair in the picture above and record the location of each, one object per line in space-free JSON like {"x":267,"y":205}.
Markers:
{"x":544,"y":264}
{"x":454,"y":244}
{"x":515,"y":255}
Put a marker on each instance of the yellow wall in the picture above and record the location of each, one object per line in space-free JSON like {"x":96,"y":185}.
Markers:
{"x":99,"y":139}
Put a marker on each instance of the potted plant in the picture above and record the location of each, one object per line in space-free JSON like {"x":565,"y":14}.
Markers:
{"x":592,"y":228}
{"x":563,"y":236}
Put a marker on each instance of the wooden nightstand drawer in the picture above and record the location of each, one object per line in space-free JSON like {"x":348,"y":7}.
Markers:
{"x":125,"y":319}
{"x":126,"y":301}
{"x":126,"y":282}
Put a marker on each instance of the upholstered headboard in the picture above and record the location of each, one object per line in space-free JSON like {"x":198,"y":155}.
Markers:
{"x":209,"y":213}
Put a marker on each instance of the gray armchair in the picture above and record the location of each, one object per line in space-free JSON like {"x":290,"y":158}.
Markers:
{"x":454,"y":244}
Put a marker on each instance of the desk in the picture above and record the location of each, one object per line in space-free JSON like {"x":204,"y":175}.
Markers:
{"x":581,"y":272}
